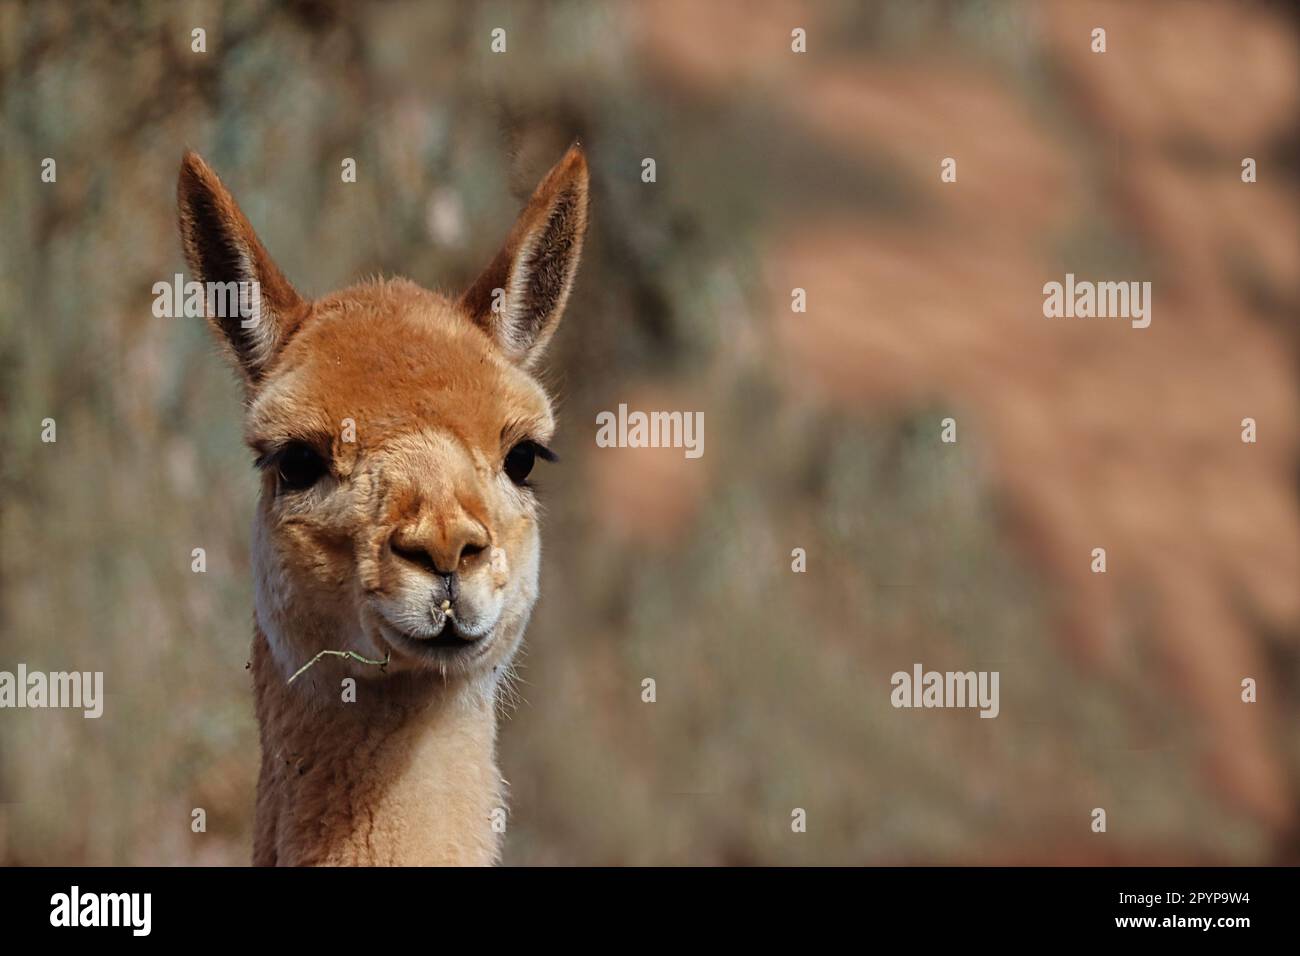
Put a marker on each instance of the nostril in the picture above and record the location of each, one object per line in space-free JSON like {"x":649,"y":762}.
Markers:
{"x":470,"y":550}
{"x":414,"y":555}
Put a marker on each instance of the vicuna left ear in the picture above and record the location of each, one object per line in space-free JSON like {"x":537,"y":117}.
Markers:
{"x":519,"y":298}
{"x":223,"y":250}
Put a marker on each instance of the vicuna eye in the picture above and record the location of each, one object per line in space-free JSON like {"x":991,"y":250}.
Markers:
{"x":299,"y":467}
{"x":519,"y":461}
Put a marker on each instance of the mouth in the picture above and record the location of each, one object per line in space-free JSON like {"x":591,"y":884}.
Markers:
{"x":450,"y":638}
{"x":451,"y":643}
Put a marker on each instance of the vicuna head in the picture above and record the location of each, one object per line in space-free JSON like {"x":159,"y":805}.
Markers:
{"x":395,"y":430}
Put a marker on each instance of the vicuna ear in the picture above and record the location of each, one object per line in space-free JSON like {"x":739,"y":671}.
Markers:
{"x":519,"y":298}
{"x":250,"y":303}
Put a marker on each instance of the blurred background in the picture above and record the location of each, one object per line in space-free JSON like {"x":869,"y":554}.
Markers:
{"x":775,"y":170}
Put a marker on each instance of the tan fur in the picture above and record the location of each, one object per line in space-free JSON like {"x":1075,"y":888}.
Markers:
{"x":414,"y":515}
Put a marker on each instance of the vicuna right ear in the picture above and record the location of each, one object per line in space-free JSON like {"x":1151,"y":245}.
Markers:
{"x":222,"y":249}
{"x":519,"y":298}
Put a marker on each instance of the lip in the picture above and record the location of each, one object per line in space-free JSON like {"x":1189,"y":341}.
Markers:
{"x":439,"y":648}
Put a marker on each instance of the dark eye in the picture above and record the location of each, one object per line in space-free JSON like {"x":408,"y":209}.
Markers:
{"x":520,"y":460}
{"x":299,"y":467}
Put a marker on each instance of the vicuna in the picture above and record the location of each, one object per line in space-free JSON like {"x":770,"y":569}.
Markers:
{"x":394,"y":429}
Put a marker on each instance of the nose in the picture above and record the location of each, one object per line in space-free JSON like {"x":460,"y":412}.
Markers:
{"x":442,"y":548}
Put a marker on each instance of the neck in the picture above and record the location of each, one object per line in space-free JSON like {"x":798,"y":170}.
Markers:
{"x":404,"y":775}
